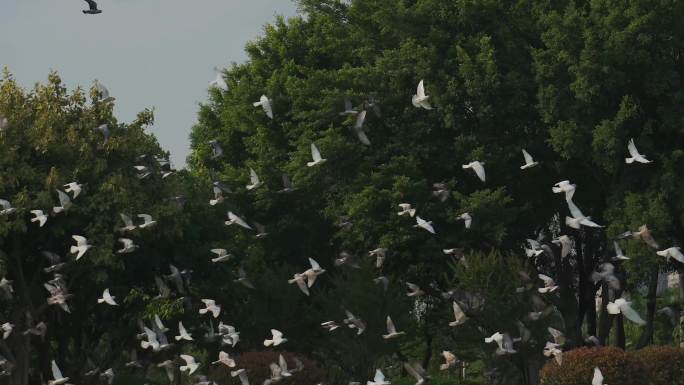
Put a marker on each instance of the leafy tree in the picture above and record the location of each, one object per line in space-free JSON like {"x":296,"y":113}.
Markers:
{"x":570,"y":82}
{"x":50,"y":141}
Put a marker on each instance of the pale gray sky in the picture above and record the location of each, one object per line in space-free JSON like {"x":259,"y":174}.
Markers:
{"x":149,"y":53}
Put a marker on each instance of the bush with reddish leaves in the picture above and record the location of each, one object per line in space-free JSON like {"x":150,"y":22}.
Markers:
{"x":664,"y":364}
{"x":617,"y":366}
{"x":257,"y":366}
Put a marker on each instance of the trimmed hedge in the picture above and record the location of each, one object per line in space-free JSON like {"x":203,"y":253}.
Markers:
{"x":617,"y":366}
{"x":655,"y":365}
{"x":664,"y":364}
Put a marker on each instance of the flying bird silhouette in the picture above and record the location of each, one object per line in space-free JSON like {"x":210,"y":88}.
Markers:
{"x":92,"y":8}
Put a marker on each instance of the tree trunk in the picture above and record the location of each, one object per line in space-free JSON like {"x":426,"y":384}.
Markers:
{"x":605,"y":321}
{"x":532,"y":371}
{"x":568,"y":305}
{"x":620,"y":331}
{"x":22,"y":353}
{"x":647,"y":334}
{"x":681,"y":307}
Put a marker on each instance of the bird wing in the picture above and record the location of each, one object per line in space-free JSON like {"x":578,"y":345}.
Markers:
{"x":253,"y":177}
{"x":527,"y":156}
{"x":363,"y":138}
{"x":158,"y":322}
{"x":302,"y":285}
{"x":631,"y":147}
{"x":413,"y":372}
{"x":282,"y":363}
{"x":56,"y":373}
{"x":146,"y":217}
{"x":126,"y":220}
{"x":479,"y":170}
{"x":266,"y":105}
{"x":598,"y":377}
{"x":360,"y":119}
{"x":91,"y":4}
{"x":80,"y":240}
{"x":546,"y":279}
{"x":181,"y":329}
{"x":347,"y":104}
{"x":420,"y":91}
{"x":238,"y":220}
{"x":574,"y":210}
{"x":314,"y":264}
{"x":631,"y":314}
{"x":390,"y":326}
{"x":286,"y":181}
{"x":379,"y":377}
{"x":64,"y":199}
{"x":676,"y":253}
{"x":458,"y":312}
{"x":315,"y":154}
{"x":647,"y":237}
{"x":219,"y":252}
{"x":188,"y":359}
{"x":163,"y":288}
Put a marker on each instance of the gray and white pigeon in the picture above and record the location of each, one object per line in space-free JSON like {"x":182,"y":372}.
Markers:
{"x":635,"y":156}
{"x":266,"y":104}
{"x":420,"y":99}
{"x":39,"y":216}
{"x":147,"y":221}
{"x":673,"y":252}
{"x":107,"y":298}
{"x":128,"y":223}
{"x":73,"y":187}
{"x":566,"y":187}
{"x":425,"y":225}
{"x":210,"y":307}
{"x":276,"y":338}
{"x":216,"y":149}
{"x":234,"y":219}
{"x":222,"y":255}
{"x":57,"y":377}
{"x":255,"y":182}
{"x":81,"y":246}
{"x":6,"y":207}
{"x":190,"y":364}
{"x":529,"y":161}
{"x":316,"y":157}
{"x":104,"y":130}
{"x":478,"y":168}
{"x":127,"y":246}
{"x":218,"y":81}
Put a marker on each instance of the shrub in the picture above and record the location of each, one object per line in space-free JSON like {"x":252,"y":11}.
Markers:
{"x":617,"y":366}
{"x":257,"y":366}
{"x":664,"y":364}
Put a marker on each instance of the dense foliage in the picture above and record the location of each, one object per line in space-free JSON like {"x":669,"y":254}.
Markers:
{"x":569,"y":81}
{"x":616,"y":365}
{"x":50,"y":141}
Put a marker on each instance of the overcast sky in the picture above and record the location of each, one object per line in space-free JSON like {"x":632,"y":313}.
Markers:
{"x":148,"y":53}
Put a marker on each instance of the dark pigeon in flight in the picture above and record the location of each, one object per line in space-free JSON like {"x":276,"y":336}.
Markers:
{"x":92,"y":8}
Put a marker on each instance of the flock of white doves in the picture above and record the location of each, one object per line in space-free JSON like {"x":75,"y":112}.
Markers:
{"x":154,"y":337}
